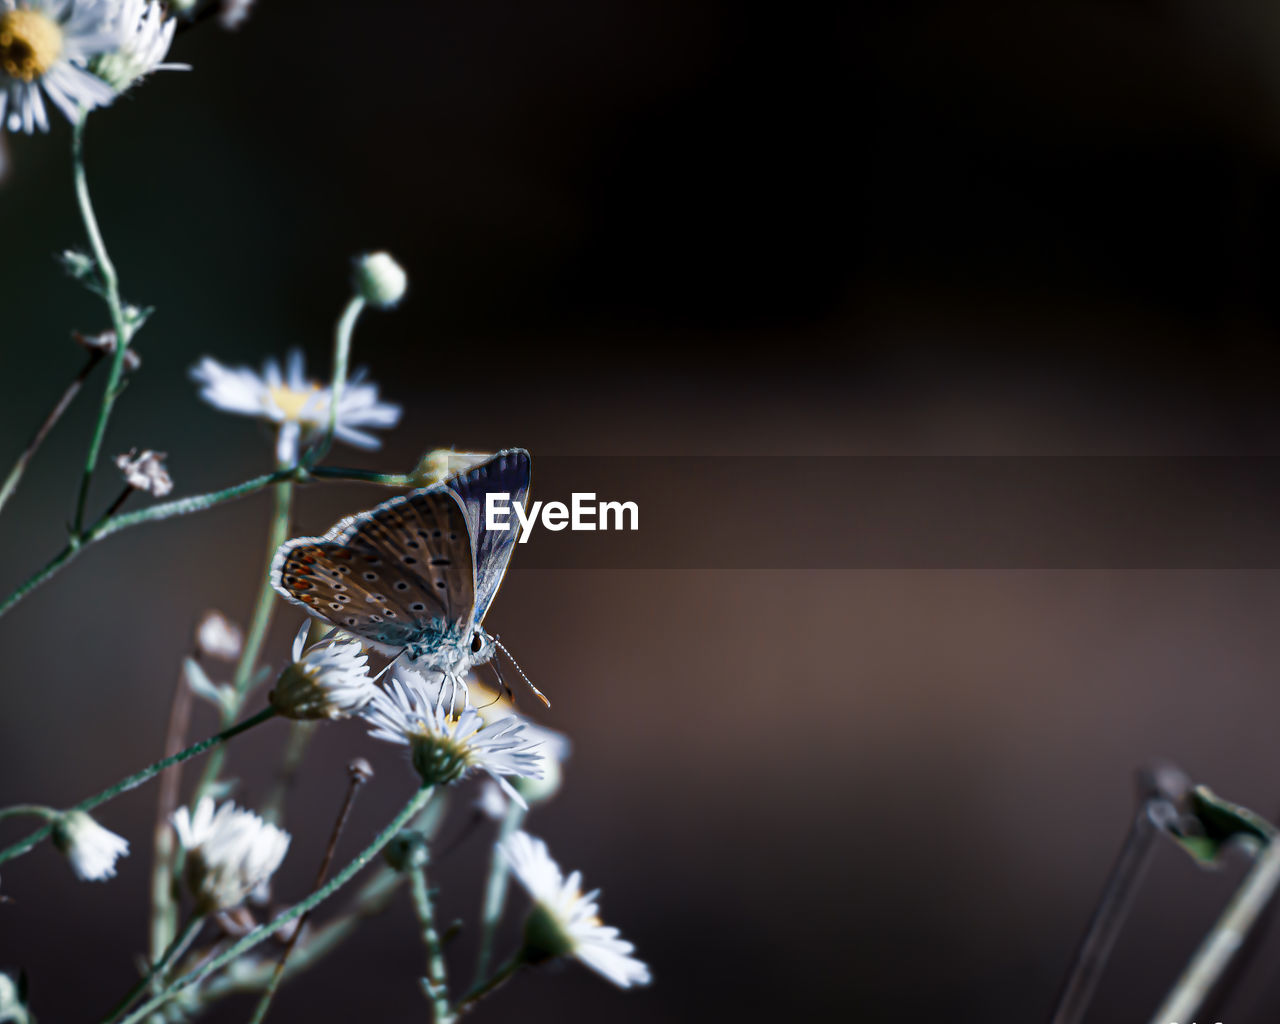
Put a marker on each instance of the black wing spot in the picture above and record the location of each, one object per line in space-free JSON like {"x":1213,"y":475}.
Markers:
{"x":417,"y":606}
{"x":401,"y":585}
{"x":441,"y":584}
{"x":335,"y":606}
{"x":371,"y":576}
{"x":413,"y":544}
{"x":409,"y":560}
{"x":442,"y":561}
{"x":344,"y":597}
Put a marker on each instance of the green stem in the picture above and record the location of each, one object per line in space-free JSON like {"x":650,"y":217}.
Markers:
{"x":185,"y":506}
{"x":495,"y":890}
{"x":358,"y":779}
{"x":111,"y":292}
{"x":1226,"y":936}
{"x":263,"y":932}
{"x":158,"y":970}
{"x":63,"y":403}
{"x":138,"y":778}
{"x":436,"y":983}
{"x":258,"y":626}
{"x":364,"y":475}
{"x":32,"y":810}
{"x":341,"y":358}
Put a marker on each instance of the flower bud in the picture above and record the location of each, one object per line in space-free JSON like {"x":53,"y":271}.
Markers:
{"x":91,"y":849}
{"x":380,"y":280}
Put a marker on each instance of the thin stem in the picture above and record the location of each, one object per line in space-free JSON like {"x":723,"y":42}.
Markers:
{"x":295,"y":750}
{"x":258,"y":626}
{"x":436,"y":983}
{"x":172,"y":954}
{"x":265,"y":931}
{"x":31,"y":810}
{"x":500,"y":977}
{"x":358,"y":778}
{"x":63,"y":403}
{"x":163,"y":903}
{"x":180,"y":507}
{"x":111,"y":292}
{"x":138,"y":778}
{"x":495,"y":890}
{"x":363,"y":475}
{"x":341,"y":358}
{"x":118,"y":504}
{"x":373,"y":898}
{"x":1108,"y":918}
{"x":1226,"y":936}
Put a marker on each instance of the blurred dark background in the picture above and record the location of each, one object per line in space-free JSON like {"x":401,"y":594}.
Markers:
{"x":695,"y":229}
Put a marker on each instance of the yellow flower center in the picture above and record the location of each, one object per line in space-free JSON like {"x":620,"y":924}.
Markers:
{"x":30,"y":42}
{"x":291,"y":402}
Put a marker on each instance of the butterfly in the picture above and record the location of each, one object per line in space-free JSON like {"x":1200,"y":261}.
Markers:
{"x":414,"y":576}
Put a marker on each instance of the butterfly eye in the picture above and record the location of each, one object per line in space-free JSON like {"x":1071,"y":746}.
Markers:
{"x":477,"y":643}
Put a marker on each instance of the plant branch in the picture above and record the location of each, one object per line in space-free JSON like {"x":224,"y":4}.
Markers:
{"x":61,"y":406}
{"x":138,"y":778}
{"x":265,"y":931}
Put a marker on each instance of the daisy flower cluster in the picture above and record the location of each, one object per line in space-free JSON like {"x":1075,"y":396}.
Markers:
{"x":79,"y":54}
{"x":214,"y":862}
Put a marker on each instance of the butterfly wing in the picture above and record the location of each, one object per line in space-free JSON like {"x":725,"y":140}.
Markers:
{"x":506,"y":472}
{"x":402,"y":573}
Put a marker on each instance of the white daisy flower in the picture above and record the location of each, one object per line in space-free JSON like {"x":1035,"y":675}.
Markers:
{"x":91,"y":849}
{"x":145,"y":39}
{"x":145,"y":472}
{"x":298,"y":405}
{"x":564,"y":921}
{"x":230,"y":852}
{"x":446,"y":743}
{"x":329,"y":680}
{"x":219,"y":637}
{"x":45,"y":44}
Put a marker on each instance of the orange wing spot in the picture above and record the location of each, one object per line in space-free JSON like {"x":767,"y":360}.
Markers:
{"x":302,"y":585}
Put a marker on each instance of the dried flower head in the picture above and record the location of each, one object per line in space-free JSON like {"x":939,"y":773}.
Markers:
{"x":105,"y":342}
{"x":230,"y":852}
{"x":564,"y":921}
{"x":145,"y":472}
{"x":91,"y":849}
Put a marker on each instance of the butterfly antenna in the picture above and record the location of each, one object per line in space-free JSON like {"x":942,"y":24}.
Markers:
{"x":538,"y":693}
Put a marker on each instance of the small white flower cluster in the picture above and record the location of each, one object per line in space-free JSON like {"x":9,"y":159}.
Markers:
{"x":79,"y":53}
{"x":91,"y":849}
{"x":230,"y":852}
